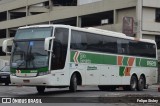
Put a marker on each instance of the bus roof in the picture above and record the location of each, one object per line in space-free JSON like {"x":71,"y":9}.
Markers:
{"x":92,"y":30}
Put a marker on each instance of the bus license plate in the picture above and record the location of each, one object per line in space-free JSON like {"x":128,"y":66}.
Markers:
{"x":26,"y":81}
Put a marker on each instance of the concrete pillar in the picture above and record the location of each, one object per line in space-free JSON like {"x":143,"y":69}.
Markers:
{"x":7,"y":33}
{"x":115,"y":16}
{"x":8,"y":15}
{"x":50,"y":5}
{"x":79,"y":21}
{"x":139,"y":18}
{"x":27,"y":11}
{"x":49,"y":11}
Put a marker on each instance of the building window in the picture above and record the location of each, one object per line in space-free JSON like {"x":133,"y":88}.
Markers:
{"x":157,"y":14}
{"x":98,"y":19}
{"x":157,"y":39}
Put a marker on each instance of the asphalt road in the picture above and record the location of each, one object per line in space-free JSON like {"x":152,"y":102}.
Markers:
{"x":87,"y":91}
{"x":83,"y":92}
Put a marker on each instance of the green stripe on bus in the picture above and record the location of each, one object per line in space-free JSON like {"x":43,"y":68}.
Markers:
{"x":125,"y":61}
{"x":82,"y":57}
{"x":146,"y":62}
{"x":72,"y":55}
{"x":108,"y":59}
{"x":121,"y":71}
{"x":44,"y":69}
{"x":138,"y":61}
{"x":94,"y":58}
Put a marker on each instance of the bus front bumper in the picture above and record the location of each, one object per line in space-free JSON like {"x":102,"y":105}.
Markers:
{"x":31,"y":81}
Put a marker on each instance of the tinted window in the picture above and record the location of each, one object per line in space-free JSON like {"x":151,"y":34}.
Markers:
{"x":86,"y":41}
{"x":123,"y":46}
{"x":59,"y":48}
{"x":109,"y":44}
{"x":78,"y":40}
{"x":100,"y":43}
{"x":149,"y":50}
{"x":94,"y":42}
{"x":133,"y":49}
{"x":142,"y":49}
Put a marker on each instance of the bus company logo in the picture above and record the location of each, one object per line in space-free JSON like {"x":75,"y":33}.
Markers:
{"x":6,"y":100}
{"x":151,"y":63}
{"x":83,"y":58}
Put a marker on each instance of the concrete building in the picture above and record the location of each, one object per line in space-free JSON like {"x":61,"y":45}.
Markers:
{"x":142,"y":17}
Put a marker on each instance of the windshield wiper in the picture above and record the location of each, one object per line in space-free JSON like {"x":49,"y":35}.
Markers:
{"x":21,"y":64}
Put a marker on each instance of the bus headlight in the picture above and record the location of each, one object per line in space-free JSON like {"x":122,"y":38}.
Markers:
{"x":43,"y":73}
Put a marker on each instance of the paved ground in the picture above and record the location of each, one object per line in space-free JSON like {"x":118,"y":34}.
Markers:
{"x":84,"y":92}
{"x":87,"y":91}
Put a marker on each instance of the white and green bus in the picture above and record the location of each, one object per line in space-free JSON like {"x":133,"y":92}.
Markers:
{"x":49,"y":56}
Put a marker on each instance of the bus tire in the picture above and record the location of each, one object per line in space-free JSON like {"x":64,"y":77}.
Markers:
{"x":133,"y":83}
{"x":40,"y":89}
{"x":102,"y":88}
{"x":6,"y":84}
{"x":73,"y":83}
{"x":141,"y":84}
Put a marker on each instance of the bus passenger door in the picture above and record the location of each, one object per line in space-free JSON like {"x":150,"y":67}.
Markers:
{"x":59,"y":55}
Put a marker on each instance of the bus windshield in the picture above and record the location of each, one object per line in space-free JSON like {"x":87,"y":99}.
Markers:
{"x":29,"y":54}
{"x":28,"y":48}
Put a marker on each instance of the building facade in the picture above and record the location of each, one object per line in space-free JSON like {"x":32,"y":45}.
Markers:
{"x":136,"y":18}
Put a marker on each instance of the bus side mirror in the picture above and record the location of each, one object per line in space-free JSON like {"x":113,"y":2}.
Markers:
{"x":47,"y":43}
{"x":5,"y":46}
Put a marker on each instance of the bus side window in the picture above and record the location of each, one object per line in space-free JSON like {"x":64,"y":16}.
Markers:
{"x":123,"y":46}
{"x":94,"y":42}
{"x":109,"y":44}
{"x":78,"y":40}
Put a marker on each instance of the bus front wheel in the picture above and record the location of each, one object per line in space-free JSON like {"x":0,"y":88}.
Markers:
{"x":40,"y":89}
{"x":73,"y":83}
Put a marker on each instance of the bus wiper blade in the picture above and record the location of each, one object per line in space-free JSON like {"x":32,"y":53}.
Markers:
{"x":21,"y":64}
